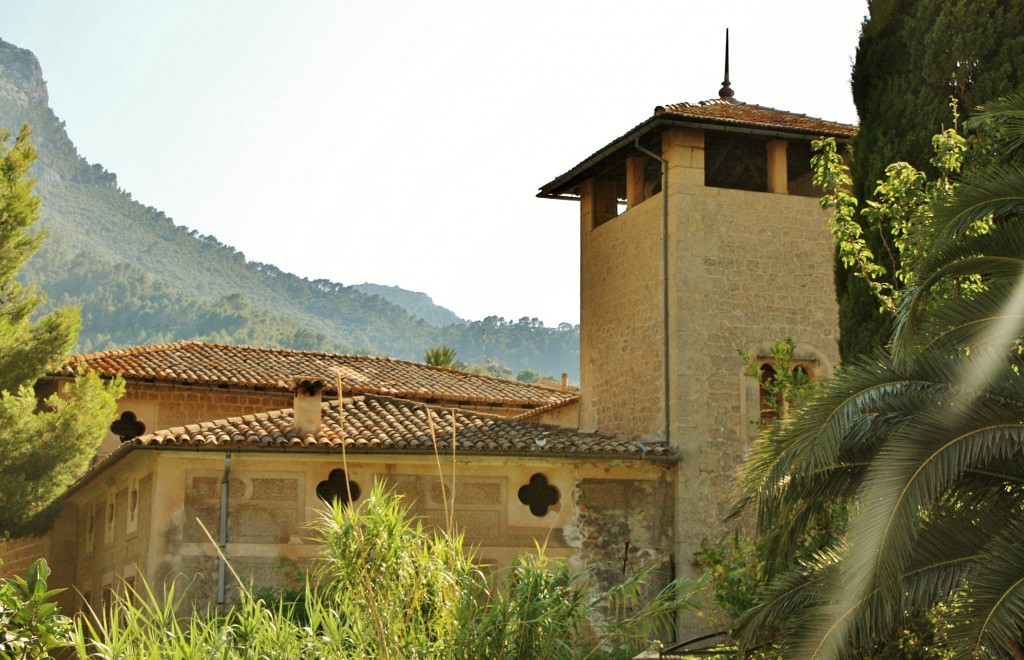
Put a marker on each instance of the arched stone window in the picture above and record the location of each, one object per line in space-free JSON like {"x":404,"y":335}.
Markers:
{"x":768,"y":402}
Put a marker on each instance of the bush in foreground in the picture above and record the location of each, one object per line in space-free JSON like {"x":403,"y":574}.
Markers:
{"x":385,"y":587}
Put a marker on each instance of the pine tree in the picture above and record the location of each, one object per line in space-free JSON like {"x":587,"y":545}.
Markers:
{"x":912,"y":57}
{"x":45,"y":444}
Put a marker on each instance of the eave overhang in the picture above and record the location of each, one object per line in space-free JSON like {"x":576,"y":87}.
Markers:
{"x":564,"y":186}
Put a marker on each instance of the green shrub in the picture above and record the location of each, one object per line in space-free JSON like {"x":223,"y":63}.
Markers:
{"x":386,"y":587}
{"x":30,"y":623}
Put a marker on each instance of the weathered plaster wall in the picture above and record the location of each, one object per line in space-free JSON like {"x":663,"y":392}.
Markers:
{"x":623,"y":524}
{"x":272,"y":497}
{"x":102,"y":535}
{"x":567,"y":416}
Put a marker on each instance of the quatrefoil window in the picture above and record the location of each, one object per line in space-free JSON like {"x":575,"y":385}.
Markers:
{"x":335,"y":488}
{"x":127,"y":426}
{"x":539,"y":495}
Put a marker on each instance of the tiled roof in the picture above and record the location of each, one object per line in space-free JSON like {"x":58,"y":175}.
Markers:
{"x":745,"y":114}
{"x":387,"y":425}
{"x":196,"y":363}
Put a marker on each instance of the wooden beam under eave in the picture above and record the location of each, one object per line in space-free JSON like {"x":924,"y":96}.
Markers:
{"x":635,"y":166}
{"x":778,"y":176}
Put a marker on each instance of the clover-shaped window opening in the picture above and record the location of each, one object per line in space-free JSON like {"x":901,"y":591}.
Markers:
{"x":539,"y":495}
{"x":127,"y":426}
{"x":334,"y":488}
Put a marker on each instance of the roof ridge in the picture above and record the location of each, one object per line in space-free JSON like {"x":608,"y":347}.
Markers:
{"x":192,"y":346}
{"x":283,"y":413}
{"x":710,"y":102}
{"x":546,"y":408}
{"x":127,"y":350}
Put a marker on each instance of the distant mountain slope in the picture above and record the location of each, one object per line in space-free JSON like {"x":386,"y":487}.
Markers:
{"x":141,"y":278}
{"x":417,"y":304}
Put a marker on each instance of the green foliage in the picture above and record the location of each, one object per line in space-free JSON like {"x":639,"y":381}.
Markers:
{"x":490,"y":368}
{"x":384,"y":587}
{"x":788,"y":387}
{"x":442,"y":356}
{"x":734,"y":572}
{"x":896,"y":212}
{"x":912,"y":56}
{"x":528,"y":376}
{"x":43,"y":445}
{"x":922,"y":443}
{"x":30,"y":623}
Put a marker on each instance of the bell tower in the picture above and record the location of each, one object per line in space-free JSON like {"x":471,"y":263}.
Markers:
{"x":700,"y":235}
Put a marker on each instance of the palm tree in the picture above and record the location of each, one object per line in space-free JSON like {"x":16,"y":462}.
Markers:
{"x":923,"y":443}
{"x":442,"y":356}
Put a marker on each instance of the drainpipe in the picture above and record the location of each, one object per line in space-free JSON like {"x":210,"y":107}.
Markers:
{"x":222,"y":567}
{"x":664,"y":289}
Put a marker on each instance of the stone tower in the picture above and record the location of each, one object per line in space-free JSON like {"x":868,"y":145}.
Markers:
{"x":700,"y":234}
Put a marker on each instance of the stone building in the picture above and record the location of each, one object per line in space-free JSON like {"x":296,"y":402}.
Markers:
{"x":258,"y":475}
{"x":700,"y":235}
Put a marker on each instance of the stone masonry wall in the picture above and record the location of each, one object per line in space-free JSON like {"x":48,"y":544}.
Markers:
{"x":748,"y":268}
{"x":745,"y":269}
{"x":621,"y":322}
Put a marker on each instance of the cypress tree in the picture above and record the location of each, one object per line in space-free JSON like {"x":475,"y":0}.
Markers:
{"x":44,"y":445}
{"x":914,"y":55}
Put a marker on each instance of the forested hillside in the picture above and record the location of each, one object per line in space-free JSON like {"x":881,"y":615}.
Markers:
{"x":139,"y":277}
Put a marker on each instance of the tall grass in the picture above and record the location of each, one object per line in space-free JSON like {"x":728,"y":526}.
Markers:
{"x":385,"y":587}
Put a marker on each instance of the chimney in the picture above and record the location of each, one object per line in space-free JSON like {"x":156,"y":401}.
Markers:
{"x":565,"y":381}
{"x":308,"y":405}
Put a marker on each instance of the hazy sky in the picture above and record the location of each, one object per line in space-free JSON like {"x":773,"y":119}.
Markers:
{"x":403,"y":142}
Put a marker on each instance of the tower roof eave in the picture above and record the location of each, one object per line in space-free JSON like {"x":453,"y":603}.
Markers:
{"x":715,"y":115}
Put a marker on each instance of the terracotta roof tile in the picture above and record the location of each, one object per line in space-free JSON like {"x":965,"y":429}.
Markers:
{"x":198,"y":363}
{"x":377,"y":423}
{"x":759,"y":116}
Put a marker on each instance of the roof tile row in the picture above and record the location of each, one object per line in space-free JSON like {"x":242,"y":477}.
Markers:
{"x":198,"y":363}
{"x":385,"y":424}
{"x":747,"y":114}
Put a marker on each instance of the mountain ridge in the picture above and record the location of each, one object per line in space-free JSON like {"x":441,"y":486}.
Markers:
{"x":174,"y":283}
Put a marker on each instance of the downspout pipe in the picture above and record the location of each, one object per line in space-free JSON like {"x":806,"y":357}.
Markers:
{"x":223,"y":540}
{"x":664,"y":290}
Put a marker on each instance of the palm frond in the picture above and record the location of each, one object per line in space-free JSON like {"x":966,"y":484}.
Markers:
{"x":855,"y":625}
{"x":993,"y":618}
{"x":1010,"y":111}
{"x":996,"y":192}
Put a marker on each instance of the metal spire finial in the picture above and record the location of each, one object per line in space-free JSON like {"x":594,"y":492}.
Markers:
{"x":726,"y":93}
